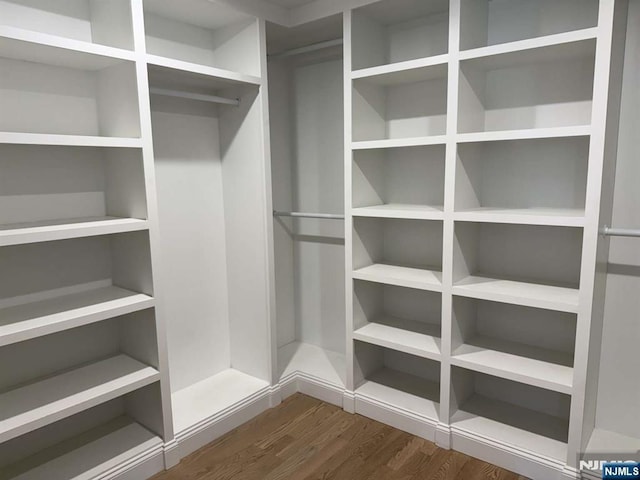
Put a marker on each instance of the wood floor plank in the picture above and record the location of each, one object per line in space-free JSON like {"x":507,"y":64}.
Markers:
{"x":306,"y":439}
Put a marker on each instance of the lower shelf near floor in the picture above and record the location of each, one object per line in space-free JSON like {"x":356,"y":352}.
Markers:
{"x":519,"y":418}
{"x":212,"y":397}
{"x":90,"y":455}
{"x":311,"y":360}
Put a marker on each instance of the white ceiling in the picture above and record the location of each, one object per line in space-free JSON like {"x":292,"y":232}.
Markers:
{"x":289,"y":3}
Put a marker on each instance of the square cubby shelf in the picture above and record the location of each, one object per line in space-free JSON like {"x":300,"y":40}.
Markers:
{"x":403,"y":182}
{"x":405,"y":253}
{"x":400,"y":318}
{"x":408,"y":382}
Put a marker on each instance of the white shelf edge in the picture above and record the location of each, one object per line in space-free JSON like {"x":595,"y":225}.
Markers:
{"x":214,"y":72}
{"x":406,"y":341}
{"x":399,"y":67}
{"x":64,"y":231}
{"x":70,"y":393}
{"x":525,"y":134}
{"x":503,"y":365}
{"x":399,"y":142}
{"x":506,"y":294}
{"x":409,"y":212}
{"x":69,"y":44}
{"x":400,"y":276}
{"x":18,"y":138}
{"x":517,"y":216}
{"x":37,"y":324}
{"x":530,"y":43}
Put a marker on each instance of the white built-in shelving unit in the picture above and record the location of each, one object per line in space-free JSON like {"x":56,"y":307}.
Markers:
{"x":475,"y":159}
{"x":150,"y":302}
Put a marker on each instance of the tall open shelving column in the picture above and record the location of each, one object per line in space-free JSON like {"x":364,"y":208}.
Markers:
{"x":206,"y":140}
{"x":77,"y":301}
{"x":481,"y":137}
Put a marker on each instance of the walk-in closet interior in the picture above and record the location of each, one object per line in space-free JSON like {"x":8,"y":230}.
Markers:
{"x":421,"y":211}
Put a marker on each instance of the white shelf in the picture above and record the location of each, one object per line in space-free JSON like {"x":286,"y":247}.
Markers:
{"x":397,"y":210}
{"x":525,"y":134}
{"x":27,"y":408}
{"x":39,"y":47}
{"x":88,"y":455}
{"x":202,"y":70}
{"x":312,"y":360}
{"x":209,"y":398}
{"x":401,"y":276}
{"x":513,"y":426}
{"x":405,"y":72}
{"x":540,"y":49}
{"x":402,"y":391}
{"x":18,"y":138}
{"x":566,"y":217}
{"x":44,"y":317}
{"x":416,"y":338}
{"x":519,"y":293}
{"x":17,"y":234}
{"x":515,"y":361}
{"x":399,"y":142}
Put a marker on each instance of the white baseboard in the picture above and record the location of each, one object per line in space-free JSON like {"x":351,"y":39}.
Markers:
{"x":417,"y":425}
{"x":144,"y":465}
{"x":212,"y":428}
{"x":509,"y":457}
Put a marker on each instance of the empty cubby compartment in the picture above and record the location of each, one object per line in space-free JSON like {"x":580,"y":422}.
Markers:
{"x":98,"y":96}
{"x":393,"y":31}
{"x":529,"y":418}
{"x":542,"y":87}
{"x":526,"y":253}
{"x":405,"y":107}
{"x":203,"y":32}
{"x":406,"y":381}
{"x":95,"y":21}
{"x":491,"y":22}
{"x":534,"y":175}
{"x":405,"y":319}
{"x":51,"y":184}
{"x":403,"y":177}
{"x":399,"y":242}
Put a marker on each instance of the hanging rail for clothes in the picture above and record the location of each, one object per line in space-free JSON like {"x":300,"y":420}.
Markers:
{"x":195,"y":96}
{"x":307,"y":48}
{"x":620,"y":232}
{"x":326,"y":216}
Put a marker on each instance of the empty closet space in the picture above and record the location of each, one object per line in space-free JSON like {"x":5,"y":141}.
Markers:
{"x":399,"y":182}
{"x":307,"y":171}
{"x":538,"y":181}
{"x":209,"y":35}
{"x":527,"y":418}
{"x":208,"y":148}
{"x":90,"y":21}
{"x":529,"y":345}
{"x":397,"y":378}
{"x":62,"y":192}
{"x":404,"y":319}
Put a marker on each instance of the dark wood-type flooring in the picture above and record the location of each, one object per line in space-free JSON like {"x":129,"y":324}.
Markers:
{"x":306,"y":439}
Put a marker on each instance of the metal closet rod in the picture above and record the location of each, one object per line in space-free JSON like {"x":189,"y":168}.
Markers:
{"x":326,"y":216}
{"x":308,"y":48}
{"x":620,"y":232}
{"x":195,"y":96}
